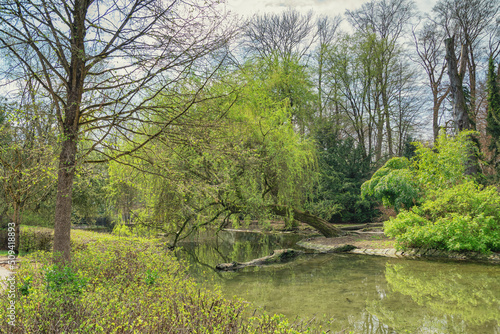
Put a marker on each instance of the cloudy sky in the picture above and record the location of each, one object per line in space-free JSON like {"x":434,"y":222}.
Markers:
{"x":327,"y":7}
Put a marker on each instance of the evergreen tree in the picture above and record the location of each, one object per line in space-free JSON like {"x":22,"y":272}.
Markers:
{"x":343,"y":167}
{"x":493,"y":118}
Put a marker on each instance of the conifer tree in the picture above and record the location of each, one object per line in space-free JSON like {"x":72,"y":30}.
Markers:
{"x":493,"y":117}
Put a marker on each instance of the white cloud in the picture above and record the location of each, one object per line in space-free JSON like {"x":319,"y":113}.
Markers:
{"x":322,"y":7}
{"x":327,"y":7}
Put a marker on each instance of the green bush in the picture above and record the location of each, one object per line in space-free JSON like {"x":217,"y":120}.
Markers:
{"x":64,"y":279}
{"x":36,"y":239}
{"x":462,"y":218}
{"x":394,"y":184}
{"x":122,"y":285}
{"x":440,"y":206}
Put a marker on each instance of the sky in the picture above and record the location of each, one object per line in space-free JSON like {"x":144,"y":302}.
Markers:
{"x":247,"y":8}
{"x":326,"y":7}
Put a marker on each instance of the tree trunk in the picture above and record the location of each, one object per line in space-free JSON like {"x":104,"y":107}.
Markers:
{"x":387,"y":122}
{"x":70,"y":125}
{"x":435,"y":117}
{"x":17,"y":228}
{"x":460,"y":114}
{"x":62,"y":224}
{"x":380,"y":137}
{"x":324,"y":227}
{"x":278,"y":256}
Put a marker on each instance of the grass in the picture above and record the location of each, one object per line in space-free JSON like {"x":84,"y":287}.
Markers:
{"x":4,"y":253}
{"x":124,"y":285}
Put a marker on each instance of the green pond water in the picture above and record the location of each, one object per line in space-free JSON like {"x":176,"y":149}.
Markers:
{"x":360,"y":293}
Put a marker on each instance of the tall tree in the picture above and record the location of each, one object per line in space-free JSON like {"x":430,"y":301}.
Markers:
{"x":284,"y":35}
{"x":387,"y":20}
{"x":456,"y":73}
{"x":493,"y":116}
{"x":283,"y":41}
{"x":27,"y":157}
{"x":327,"y":33}
{"x":430,"y":51}
{"x":101,"y":63}
{"x":472,"y":24}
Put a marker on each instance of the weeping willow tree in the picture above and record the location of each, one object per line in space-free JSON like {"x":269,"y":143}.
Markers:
{"x":240,"y":158}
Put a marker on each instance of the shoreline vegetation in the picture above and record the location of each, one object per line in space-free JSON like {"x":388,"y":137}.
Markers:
{"x":111,"y":287}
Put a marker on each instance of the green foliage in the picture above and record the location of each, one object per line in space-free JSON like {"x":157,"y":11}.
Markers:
{"x":402,"y":183}
{"x":122,"y":230}
{"x":462,"y":218}
{"x":238,"y":165}
{"x":24,"y":287}
{"x":493,"y":116}
{"x":64,"y":279}
{"x":111,"y":287}
{"x":444,"y":165}
{"x":151,"y":277}
{"x":286,"y":81}
{"x":394,"y":184}
{"x":343,"y":167}
{"x":89,"y":194}
{"x":36,"y":239}
{"x":443,"y":207}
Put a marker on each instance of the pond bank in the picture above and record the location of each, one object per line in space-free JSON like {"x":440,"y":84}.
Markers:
{"x":380,"y":245}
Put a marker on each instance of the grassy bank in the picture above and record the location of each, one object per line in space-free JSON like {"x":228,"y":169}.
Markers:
{"x":123,"y":285}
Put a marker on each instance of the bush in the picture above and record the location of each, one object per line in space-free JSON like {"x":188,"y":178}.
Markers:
{"x":462,"y":218}
{"x":394,"y":184}
{"x":122,"y":285}
{"x":35,"y":239}
{"x":442,"y":207}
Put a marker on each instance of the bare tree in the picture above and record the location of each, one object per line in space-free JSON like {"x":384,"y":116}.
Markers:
{"x":285,"y":35}
{"x":472,"y":23}
{"x":327,"y":32}
{"x":387,"y":20}
{"x":111,"y":69}
{"x":430,"y":51}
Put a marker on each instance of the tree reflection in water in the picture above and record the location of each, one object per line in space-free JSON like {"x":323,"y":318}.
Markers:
{"x":363,"y":294}
{"x":447,"y":297}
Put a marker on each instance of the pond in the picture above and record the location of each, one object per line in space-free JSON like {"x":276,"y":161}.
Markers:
{"x":360,"y":293}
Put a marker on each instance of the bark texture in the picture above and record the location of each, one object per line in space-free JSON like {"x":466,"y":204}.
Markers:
{"x":460,"y":115}
{"x":460,"y":112}
{"x":62,"y":224}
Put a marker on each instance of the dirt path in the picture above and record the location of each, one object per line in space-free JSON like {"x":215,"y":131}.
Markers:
{"x":371,"y":240}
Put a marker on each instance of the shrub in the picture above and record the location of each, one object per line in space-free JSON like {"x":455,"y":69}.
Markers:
{"x":462,"y":218}
{"x":122,"y":285}
{"x":442,"y":207}
{"x":394,"y":184}
{"x":35,"y":239}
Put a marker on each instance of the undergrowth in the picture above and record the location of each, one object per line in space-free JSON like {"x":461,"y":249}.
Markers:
{"x":124,"y":285}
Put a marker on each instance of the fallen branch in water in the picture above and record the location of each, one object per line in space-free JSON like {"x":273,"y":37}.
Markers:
{"x":278,"y":256}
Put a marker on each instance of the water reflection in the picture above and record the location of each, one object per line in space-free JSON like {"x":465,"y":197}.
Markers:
{"x":364,"y":294}
{"x":447,"y":297}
